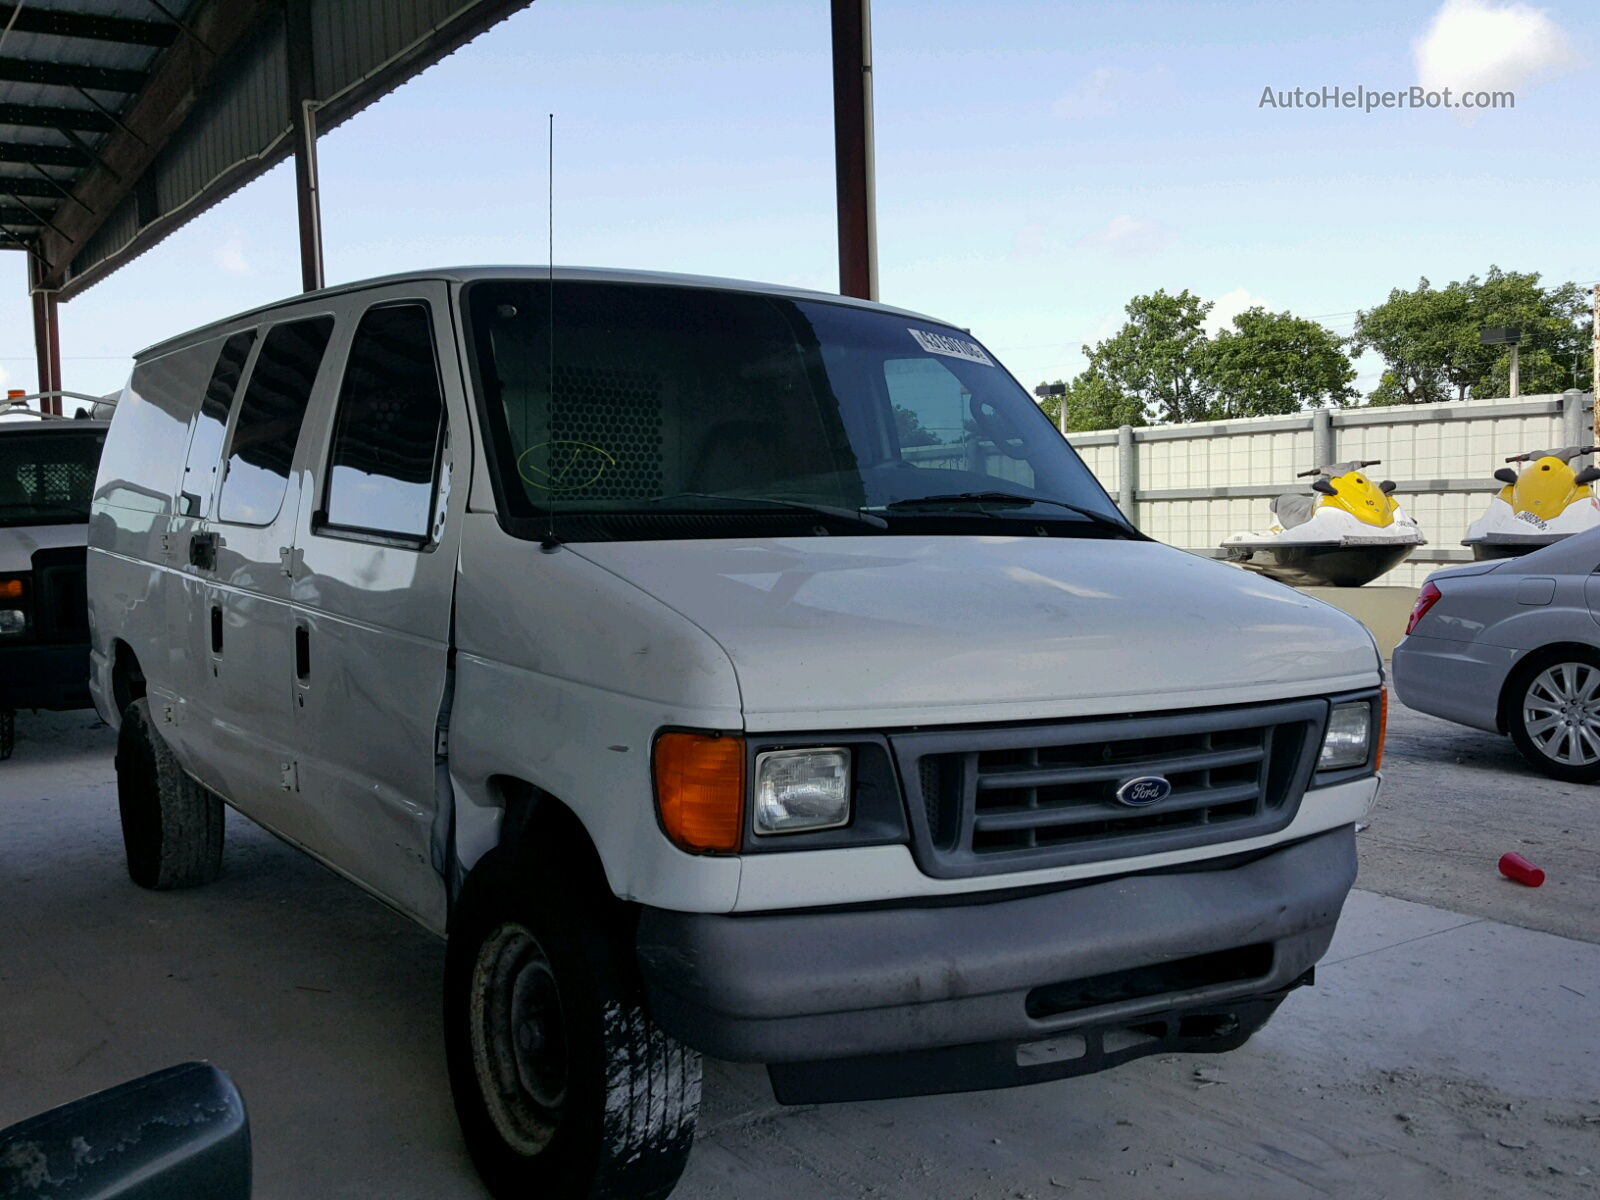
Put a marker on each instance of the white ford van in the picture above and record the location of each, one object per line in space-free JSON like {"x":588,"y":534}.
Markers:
{"x":722,"y":668}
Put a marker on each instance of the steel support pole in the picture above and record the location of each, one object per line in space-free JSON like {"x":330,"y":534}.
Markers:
{"x":303,"y":119}
{"x":46,"y":339}
{"x":1127,"y":475}
{"x":852,"y":148}
{"x":1321,"y":437}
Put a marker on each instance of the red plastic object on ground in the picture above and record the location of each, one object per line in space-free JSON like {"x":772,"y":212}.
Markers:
{"x":1514,"y":866}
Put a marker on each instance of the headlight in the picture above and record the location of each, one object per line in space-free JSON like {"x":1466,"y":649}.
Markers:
{"x":1348,"y":742}
{"x":802,"y":790}
{"x":13,"y":622}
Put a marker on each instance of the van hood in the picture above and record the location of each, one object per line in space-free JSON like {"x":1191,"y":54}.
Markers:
{"x":18,"y":542}
{"x":892,"y":631}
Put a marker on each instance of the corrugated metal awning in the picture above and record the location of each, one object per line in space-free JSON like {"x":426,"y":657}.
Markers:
{"x":121,"y":120}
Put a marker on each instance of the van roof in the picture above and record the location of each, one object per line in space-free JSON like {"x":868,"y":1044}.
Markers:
{"x":461,"y":275}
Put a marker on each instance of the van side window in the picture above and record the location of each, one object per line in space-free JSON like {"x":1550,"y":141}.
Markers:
{"x":139,"y":469}
{"x":210,"y":426}
{"x":270,"y":415}
{"x":383,"y":463}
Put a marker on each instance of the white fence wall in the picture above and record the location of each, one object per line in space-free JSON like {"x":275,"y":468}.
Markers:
{"x":1193,"y":485}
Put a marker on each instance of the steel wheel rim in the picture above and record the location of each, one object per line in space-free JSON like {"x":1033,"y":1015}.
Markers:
{"x":1561,"y":712}
{"x":519,"y":1045}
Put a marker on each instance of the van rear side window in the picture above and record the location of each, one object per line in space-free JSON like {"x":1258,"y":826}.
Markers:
{"x":205,"y":444}
{"x":381,"y":470}
{"x":270,"y":416}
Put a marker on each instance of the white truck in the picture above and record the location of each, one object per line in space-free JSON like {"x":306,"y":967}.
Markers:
{"x":47,"y":472}
{"x":721,"y":668}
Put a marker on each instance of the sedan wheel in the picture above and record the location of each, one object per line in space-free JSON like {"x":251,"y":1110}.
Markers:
{"x":1556,"y":720}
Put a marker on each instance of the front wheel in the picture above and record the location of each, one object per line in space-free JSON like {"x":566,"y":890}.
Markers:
{"x":564,"y":1087}
{"x":1554,"y":716}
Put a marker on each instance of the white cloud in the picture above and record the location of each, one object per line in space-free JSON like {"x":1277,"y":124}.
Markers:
{"x":1093,"y":97}
{"x":1228,"y":306}
{"x":1128,"y":236}
{"x":1106,"y":89}
{"x":230,"y":256}
{"x":1480,"y":44}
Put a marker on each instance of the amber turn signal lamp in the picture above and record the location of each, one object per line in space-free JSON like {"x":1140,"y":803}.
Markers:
{"x":10,"y":589}
{"x":700,"y":790}
{"x":1383,"y":726}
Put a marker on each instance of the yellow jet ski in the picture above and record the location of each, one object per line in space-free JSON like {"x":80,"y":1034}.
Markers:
{"x":1346,"y":533}
{"x":1543,"y":503}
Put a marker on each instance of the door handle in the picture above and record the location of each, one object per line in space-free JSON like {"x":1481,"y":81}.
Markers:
{"x":203,"y":551}
{"x":302,"y":653}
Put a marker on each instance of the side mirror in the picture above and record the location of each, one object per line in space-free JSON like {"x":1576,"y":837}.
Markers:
{"x":1386,"y":486}
{"x":1324,"y":486}
{"x":178,"y":1133}
{"x":1587,"y":475}
{"x":1506,"y":475}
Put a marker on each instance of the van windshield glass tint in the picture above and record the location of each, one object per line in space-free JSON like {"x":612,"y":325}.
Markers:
{"x":270,"y":415}
{"x":664,"y":408}
{"x":47,"y":477}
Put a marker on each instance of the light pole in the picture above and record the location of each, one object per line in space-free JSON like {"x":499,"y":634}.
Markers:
{"x":1505,"y":335}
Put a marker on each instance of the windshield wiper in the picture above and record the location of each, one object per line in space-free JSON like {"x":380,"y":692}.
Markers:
{"x":1014,"y":498}
{"x":822,"y":510}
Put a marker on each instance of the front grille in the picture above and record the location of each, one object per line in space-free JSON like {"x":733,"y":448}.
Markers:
{"x":1023,"y":797}
{"x":60,"y":598}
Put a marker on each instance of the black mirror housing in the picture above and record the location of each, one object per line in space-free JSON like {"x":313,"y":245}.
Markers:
{"x":179,"y":1133}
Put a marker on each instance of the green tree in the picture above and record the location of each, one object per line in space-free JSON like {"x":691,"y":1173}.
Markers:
{"x":1557,"y":327}
{"x":1092,"y":403}
{"x":1158,"y":359}
{"x":909,"y":429}
{"x":1277,"y":363}
{"x":1419,"y":335}
{"x":1430,"y":339}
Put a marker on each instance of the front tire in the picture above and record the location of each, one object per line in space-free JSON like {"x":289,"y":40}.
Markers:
{"x":564,"y":1087}
{"x":171,"y":826}
{"x":1553,"y":715}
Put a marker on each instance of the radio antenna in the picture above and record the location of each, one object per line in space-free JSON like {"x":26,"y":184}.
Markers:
{"x":550,"y":540}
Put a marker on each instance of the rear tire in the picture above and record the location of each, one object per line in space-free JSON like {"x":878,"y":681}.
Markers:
{"x":1553,"y":715}
{"x":564,"y":1087}
{"x":171,"y":826}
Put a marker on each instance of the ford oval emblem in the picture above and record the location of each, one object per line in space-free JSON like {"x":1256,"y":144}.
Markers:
{"x":1146,"y":790}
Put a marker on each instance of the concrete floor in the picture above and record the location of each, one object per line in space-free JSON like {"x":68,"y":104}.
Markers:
{"x":1448,"y":1049}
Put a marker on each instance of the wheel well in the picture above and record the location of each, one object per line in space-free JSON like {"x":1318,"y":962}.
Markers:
{"x":539,"y":827}
{"x":1532,"y":661}
{"x":127,"y":676}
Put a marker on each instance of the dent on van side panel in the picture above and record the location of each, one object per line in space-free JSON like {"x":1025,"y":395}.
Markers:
{"x":563,"y":675}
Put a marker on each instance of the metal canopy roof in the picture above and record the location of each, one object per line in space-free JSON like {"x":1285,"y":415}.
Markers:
{"x":120,"y":120}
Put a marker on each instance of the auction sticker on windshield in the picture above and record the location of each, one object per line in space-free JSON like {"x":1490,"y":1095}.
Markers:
{"x":950,"y":347}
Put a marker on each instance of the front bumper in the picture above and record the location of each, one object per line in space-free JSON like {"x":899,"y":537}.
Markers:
{"x":44,"y":676}
{"x":901,"y":1000}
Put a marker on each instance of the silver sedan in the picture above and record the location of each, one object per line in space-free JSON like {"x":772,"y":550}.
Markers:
{"x":1512,"y":645}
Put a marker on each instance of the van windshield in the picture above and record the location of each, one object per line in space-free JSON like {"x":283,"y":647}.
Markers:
{"x":645,"y":411}
{"x":47,"y":474}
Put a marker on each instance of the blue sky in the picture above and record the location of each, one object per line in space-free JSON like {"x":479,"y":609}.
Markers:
{"x":1039,"y":163}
